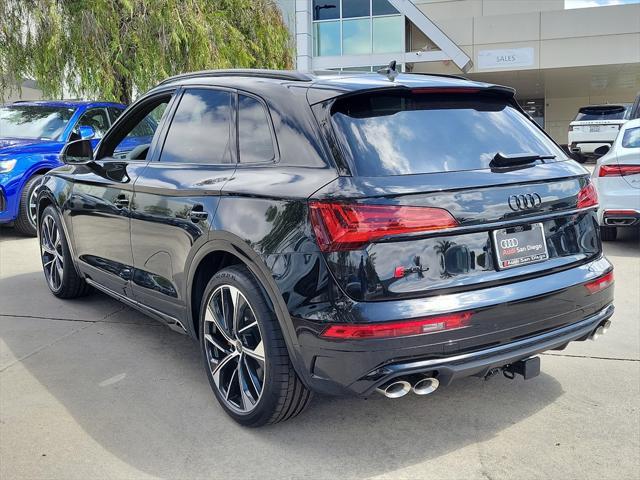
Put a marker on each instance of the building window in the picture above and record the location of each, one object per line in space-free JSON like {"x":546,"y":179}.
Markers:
{"x":356,"y":27}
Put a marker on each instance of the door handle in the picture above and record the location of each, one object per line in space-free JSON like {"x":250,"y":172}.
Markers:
{"x":121,"y":201}
{"x":197,"y":213}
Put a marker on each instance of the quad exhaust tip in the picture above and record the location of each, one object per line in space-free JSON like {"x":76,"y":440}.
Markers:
{"x":601,"y":330}
{"x":395,"y":389}
{"x":423,"y":385}
{"x":426,"y":385}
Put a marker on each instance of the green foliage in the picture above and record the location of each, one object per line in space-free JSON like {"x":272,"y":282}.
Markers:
{"x":109,"y":49}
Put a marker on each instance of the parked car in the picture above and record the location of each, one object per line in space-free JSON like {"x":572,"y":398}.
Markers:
{"x":31,"y":137}
{"x":617,"y":179}
{"x":596,"y":126}
{"x":635,"y":109}
{"x":345,"y":234}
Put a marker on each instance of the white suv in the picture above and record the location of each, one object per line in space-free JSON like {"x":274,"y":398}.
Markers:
{"x":596,"y":126}
{"x":617,"y":179}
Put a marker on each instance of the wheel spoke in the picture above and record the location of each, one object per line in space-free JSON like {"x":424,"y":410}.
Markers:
{"x":257,"y":387}
{"x":233,"y":376}
{"x":47,"y":249}
{"x":216,"y":344}
{"x":222,"y":364}
{"x":256,"y":353}
{"x":245,"y":398}
{"x":210,"y":316}
{"x":247,"y":327}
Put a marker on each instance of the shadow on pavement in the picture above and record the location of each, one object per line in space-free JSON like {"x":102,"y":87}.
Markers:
{"x":140,"y":391}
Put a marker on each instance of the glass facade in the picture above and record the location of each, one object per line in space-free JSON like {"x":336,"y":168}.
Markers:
{"x":356,"y":27}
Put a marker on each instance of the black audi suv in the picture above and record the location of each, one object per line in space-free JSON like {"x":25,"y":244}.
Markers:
{"x":345,"y":234}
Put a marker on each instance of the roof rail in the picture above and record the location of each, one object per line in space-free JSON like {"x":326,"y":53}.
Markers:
{"x":290,"y":75}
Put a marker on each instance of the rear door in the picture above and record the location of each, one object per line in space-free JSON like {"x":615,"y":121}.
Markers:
{"x":628,"y":155}
{"x":177,"y":194}
{"x":428,"y":210}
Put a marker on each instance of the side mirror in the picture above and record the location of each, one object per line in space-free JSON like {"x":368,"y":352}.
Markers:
{"x":602,"y":150}
{"x":77,"y":152}
{"x":86,"y":132}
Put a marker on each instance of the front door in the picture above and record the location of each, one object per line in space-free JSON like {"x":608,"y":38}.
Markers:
{"x":102,"y":193}
{"x":177,"y":194}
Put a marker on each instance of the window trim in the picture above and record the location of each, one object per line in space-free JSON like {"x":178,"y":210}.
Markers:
{"x":274,"y":139}
{"x":132,"y":111}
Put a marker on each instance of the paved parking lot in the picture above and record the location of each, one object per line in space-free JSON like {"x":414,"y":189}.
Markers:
{"x":92,"y":389}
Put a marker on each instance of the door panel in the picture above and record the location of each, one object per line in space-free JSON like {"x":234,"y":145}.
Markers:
{"x":177,"y":195}
{"x":99,"y":209}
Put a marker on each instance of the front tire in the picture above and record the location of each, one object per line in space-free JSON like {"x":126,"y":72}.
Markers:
{"x":27,"y":210}
{"x":59,"y":271}
{"x":244,"y":353}
{"x":608,"y":234}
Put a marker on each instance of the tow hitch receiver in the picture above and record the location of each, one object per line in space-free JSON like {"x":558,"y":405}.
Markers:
{"x":528,"y":368}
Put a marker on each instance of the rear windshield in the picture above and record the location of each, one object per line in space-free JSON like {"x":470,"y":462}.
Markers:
{"x":605,"y":112}
{"x":409,"y":133}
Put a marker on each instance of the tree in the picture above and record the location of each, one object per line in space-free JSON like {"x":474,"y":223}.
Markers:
{"x":111,"y":49}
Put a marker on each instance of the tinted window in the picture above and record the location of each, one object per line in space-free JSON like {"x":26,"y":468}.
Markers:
{"x":383,"y":7}
{"x":326,"y":9}
{"x":95,"y":118}
{"x":31,"y":121}
{"x":355,"y":8}
{"x":200,"y":129}
{"x":114,"y":113}
{"x":604,"y":112}
{"x":254,"y":131}
{"x":399,"y":134}
{"x":631,"y":138}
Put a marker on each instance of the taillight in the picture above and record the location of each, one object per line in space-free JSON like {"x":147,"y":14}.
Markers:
{"x":587,"y":196}
{"x":600,"y":283}
{"x":341,"y":226}
{"x":618,"y":170}
{"x":398,"y":329}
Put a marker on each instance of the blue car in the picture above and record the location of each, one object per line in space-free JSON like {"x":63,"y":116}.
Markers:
{"x":31,"y":137}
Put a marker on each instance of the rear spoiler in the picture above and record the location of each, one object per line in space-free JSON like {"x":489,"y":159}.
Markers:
{"x":318,"y":94}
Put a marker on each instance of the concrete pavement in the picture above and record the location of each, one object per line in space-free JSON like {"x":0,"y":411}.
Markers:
{"x":92,"y":389}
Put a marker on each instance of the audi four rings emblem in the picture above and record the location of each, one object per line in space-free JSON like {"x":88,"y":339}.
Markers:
{"x":525,"y":201}
{"x":509,"y":243}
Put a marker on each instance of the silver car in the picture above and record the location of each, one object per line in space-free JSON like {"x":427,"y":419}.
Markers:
{"x":617,"y":179}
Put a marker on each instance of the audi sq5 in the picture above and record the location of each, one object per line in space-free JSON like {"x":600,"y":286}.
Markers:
{"x":354,"y":234}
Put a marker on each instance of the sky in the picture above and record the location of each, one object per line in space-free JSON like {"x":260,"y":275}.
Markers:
{"x":595,"y":3}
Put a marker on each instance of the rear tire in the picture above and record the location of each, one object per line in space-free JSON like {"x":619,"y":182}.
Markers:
{"x":608,"y":234}
{"x":57,"y":263}
{"x":244,"y":352}
{"x":25,"y":223}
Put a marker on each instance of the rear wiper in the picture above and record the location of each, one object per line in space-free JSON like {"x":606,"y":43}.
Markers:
{"x":500,"y":160}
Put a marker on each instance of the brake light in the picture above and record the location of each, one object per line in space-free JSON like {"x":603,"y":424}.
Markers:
{"x":600,"y":283}
{"x":445,"y":90}
{"x":587,"y":196}
{"x":618,"y":170}
{"x":398,"y":329}
{"x":340,"y":226}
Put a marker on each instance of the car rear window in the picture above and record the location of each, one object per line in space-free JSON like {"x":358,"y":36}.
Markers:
{"x":631,"y":138}
{"x":603,"y":112}
{"x":410,"y":133}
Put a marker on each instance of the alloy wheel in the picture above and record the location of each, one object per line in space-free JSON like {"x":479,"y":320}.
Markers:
{"x":33,"y":206}
{"x":234,"y":348}
{"x":52,"y":253}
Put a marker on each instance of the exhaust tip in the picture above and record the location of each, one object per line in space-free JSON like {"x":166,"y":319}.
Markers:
{"x":395,"y":389}
{"x":426,"y":386}
{"x":605,"y":326}
{"x":601,"y":330}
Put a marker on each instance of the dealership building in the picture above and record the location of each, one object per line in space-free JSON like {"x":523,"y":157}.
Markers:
{"x":557,"y":58}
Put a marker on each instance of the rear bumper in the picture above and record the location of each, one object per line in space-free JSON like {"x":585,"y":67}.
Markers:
{"x":588,"y":147}
{"x":479,"y":363}
{"x":510,"y":322}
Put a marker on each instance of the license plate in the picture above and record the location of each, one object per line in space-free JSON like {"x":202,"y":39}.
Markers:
{"x":594,"y":128}
{"x":521,"y":245}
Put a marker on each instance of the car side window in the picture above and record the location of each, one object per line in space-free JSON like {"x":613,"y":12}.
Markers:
{"x":631,"y":138}
{"x":254,"y":131}
{"x":95,"y":118}
{"x":114,"y":113}
{"x":200,"y":131}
